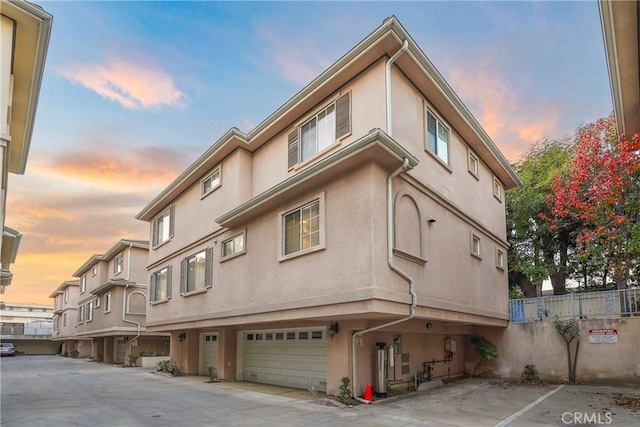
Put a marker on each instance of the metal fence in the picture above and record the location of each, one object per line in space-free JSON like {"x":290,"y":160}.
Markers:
{"x":598,"y":305}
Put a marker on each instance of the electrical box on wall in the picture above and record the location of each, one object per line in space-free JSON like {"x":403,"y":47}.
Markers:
{"x":397,"y":344}
{"x":449,"y":348}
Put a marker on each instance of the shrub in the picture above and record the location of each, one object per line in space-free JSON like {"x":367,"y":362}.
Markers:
{"x":169,"y":367}
{"x":530,"y":372}
{"x":343,"y":391}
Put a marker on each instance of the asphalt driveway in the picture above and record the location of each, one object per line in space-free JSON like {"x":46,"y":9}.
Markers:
{"x":57,"y":391}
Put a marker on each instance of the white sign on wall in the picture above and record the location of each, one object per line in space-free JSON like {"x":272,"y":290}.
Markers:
{"x":603,"y":336}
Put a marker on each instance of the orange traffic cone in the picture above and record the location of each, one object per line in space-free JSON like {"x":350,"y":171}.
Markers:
{"x":367,"y":392}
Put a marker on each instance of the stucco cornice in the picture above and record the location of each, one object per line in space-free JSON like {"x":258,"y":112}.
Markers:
{"x":33,"y":30}
{"x":376,"y":137}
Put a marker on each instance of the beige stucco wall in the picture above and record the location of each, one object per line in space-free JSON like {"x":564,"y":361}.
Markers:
{"x":539,"y":344}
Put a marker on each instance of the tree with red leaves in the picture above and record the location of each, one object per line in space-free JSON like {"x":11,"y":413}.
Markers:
{"x":600,"y":193}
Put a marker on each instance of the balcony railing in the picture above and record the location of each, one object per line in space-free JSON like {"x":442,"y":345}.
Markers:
{"x":603,"y":305}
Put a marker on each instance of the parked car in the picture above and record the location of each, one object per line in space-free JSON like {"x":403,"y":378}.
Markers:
{"x":7,"y":349}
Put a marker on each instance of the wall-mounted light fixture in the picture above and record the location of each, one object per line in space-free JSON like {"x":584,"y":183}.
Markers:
{"x":429,"y":325}
{"x":333,"y":330}
{"x":182,"y":336}
{"x":431,"y":221}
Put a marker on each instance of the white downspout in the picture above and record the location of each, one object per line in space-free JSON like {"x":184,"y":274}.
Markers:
{"x":414,"y":299}
{"x":124,"y":300}
{"x":387,"y":76}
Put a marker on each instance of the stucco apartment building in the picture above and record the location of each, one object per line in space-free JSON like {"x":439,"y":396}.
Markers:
{"x":65,"y":320}
{"x":366,"y":213}
{"x":112,"y":301}
{"x":24,"y":42}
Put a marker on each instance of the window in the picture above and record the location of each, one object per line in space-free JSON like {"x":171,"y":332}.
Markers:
{"x":118,"y":263}
{"x":475,"y":246}
{"x":81,"y":314}
{"x":161,"y":284}
{"x":195,"y":273}
{"x":83,"y":284}
{"x":320,"y":131}
{"x":233,"y":246}
{"x":90,"y":311}
{"x":107,"y":302}
{"x":94,"y":270}
{"x":301,"y":228}
{"x":211,"y":182}
{"x":66,"y":295}
{"x":64,"y":319}
{"x":500,"y":262}
{"x":163,"y":226}
{"x":473,"y":164}
{"x":437,"y":137}
{"x":97,"y":302}
{"x":497,"y":188}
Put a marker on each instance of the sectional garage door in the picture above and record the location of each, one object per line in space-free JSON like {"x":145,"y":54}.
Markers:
{"x":209,"y":352}
{"x":287,"y":357}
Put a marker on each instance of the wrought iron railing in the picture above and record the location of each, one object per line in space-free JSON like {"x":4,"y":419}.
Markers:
{"x":605,"y":305}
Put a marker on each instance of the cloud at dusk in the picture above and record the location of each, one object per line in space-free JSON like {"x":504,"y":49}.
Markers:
{"x":132,"y":85}
{"x":147,"y":166}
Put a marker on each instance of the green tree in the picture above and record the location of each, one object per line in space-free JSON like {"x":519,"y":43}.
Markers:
{"x":569,"y":330}
{"x":536,"y":250}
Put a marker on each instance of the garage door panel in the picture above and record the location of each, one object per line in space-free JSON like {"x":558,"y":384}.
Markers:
{"x":291,"y":362}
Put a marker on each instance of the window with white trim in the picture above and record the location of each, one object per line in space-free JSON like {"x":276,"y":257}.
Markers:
{"x":211,"y":182}
{"x":83,"y":284}
{"x":160,"y":288}
{"x":473,"y":164}
{"x":476,"y":245}
{"x":498,"y":189}
{"x":233,"y":246}
{"x":437,"y":137}
{"x":195,"y":272}
{"x":500,"y":260}
{"x":64,"y":319}
{"x":163,"y":226}
{"x":66,"y":295}
{"x":107,"y":302}
{"x":321,"y":131}
{"x":301,"y":228}
{"x":94,"y":270}
{"x":118,"y":263}
{"x":90,"y":311}
{"x":97,"y":301}
{"x":81,"y":314}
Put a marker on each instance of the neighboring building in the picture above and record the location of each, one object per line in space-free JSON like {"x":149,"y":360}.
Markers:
{"x":621,"y":31}
{"x":28,"y":327}
{"x":276,"y":247}
{"x":65,"y":320}
{"x":24,"y":41}
{"x":112,"y":303}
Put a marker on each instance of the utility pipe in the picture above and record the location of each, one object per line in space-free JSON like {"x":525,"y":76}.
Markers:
{"x":124,"y":299}
{"x":414,"y":299}
{"x":387,"y":76}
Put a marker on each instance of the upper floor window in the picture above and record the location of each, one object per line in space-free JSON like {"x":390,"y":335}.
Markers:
{"x":90,"y":311}
{"x":500,"y":259}
{"x":107,"y":302}
{"x":160,"y":285}
{"x":83,"y":284}
{"x":195,"y":271}
{"x":302,"y":228}
{"x":498,"y":189}
{"x":211,"y":182}
{"x":94,"y":270}
{"x":320,"y":131}
{"x":118,"y":263}
{"x":163,"y":226}
{"x":476,"y":248}
{"x":81,"y":314}
{"x":233,"y":246}
{"x":473,"y":164}
{"x":64,"y":319}
{"x":97,"y":301}
{"x":437,"y":137}
{"x":66,"y":295}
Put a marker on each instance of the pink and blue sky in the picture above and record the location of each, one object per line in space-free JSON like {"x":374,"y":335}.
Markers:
{"x":134,"y":92}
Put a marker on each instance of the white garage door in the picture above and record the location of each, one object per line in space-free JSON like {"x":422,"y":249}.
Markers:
{"x":288,"y":357}
{"x":209,"y":352}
